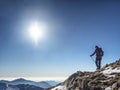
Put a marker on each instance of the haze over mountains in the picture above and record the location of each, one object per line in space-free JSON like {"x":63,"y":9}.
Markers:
{"x":42,"y":84}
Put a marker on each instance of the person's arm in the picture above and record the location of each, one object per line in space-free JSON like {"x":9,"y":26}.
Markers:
{"x":93,"y":53}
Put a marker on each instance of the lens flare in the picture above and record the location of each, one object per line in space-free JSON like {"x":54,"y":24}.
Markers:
{"x":36,"y":32}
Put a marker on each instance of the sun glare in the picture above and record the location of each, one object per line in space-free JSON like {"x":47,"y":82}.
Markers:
{"x":36,"y":32}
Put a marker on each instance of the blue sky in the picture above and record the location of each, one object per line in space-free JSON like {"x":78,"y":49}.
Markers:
{"x":74,"y":27}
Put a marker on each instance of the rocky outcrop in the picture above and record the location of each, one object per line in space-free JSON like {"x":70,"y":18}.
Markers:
{"x":107,"y":78}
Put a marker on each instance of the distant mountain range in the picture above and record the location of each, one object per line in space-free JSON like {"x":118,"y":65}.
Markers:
{"x":42,"y":84}
{"x":4,"y":86}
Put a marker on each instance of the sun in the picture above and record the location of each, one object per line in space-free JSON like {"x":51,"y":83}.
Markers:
{"x":36,"y":32}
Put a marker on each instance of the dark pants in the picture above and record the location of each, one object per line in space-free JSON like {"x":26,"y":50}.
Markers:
{"x":98,"y":61}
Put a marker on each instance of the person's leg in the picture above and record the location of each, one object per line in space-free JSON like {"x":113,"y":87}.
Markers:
{"x":96,"y":62}
{"x":99,"y":62}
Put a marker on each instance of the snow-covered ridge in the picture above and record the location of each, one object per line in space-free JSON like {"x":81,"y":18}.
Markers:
{"x":109,"y":70}
{"x":107,"y":78}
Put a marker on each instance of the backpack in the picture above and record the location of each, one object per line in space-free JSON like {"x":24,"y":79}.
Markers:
{"x":101,"y":52}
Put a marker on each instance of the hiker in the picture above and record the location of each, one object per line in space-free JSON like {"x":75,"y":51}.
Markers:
{"x":99,"y":53}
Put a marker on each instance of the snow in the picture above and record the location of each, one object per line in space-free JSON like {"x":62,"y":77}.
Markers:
{"x":108,"y":88}
{"x":109,"y":70}
{"x":60,"y":87}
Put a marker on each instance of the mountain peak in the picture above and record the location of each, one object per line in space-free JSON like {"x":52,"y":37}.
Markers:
{"x":19,"y":80}
{"x":106,"y":77}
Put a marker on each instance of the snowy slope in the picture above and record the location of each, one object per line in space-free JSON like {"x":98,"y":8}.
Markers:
{"x":109,"y":70}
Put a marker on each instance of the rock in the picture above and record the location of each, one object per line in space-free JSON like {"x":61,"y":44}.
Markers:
{"x":85,"y":85}
{"x":108,"y":88}
{"x":96,"y":80}
{"x":114,"y":86}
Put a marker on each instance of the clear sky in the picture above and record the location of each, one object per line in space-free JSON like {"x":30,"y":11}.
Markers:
{"x":72,"y":29}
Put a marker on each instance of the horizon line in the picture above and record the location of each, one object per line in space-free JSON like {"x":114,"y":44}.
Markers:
{"x":37,"y":79}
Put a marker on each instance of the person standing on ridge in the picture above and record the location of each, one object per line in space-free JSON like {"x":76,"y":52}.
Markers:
{"x":99,"y":53}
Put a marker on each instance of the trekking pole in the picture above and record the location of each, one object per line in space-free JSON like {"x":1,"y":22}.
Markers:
{"x":93,"y":59}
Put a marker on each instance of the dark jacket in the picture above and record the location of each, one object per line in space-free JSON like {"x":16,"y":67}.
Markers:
{"x":98,"y":52}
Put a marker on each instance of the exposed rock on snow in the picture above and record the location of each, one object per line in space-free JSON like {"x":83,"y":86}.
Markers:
{"x":107,"y":78}
{"x":109,"y":70}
